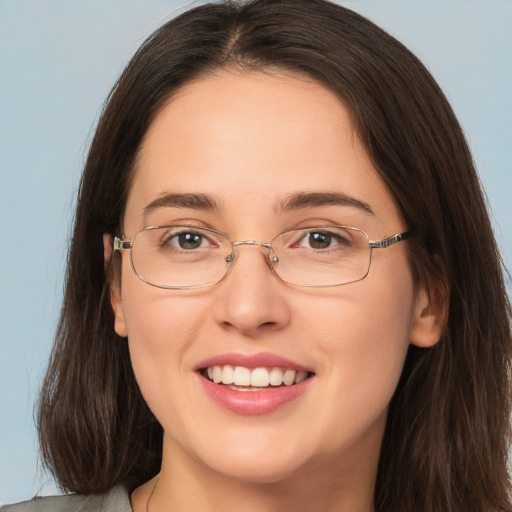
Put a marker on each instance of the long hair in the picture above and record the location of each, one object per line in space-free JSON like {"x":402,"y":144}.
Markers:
{"x":447,"y":435}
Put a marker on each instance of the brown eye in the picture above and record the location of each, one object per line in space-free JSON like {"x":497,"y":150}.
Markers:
{"x":189,"y":240}
{"x":320,"y":240}
{"x":185,"y":240}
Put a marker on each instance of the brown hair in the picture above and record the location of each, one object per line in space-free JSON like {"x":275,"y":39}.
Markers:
{"x":447,"y":436}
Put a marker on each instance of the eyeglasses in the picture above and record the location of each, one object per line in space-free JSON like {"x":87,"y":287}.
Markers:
{"x":184,"y":257}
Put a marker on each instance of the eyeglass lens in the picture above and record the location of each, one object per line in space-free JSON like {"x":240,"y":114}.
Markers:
{"x":188,"y":257}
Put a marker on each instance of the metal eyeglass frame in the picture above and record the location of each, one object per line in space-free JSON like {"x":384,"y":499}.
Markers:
{"x":119,"y":244}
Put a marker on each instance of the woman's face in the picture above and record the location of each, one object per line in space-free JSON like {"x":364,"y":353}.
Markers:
{"x":250,"y":143}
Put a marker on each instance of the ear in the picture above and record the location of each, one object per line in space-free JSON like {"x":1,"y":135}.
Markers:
{"x":115,"y":290}
{"x":429,"y":316}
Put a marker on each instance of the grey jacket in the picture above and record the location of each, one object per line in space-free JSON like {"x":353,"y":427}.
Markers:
{"x":116,"y":500}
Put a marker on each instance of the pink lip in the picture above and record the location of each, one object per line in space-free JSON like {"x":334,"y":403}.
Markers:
{"x":263,"y":359}
{"x":253,"y":402}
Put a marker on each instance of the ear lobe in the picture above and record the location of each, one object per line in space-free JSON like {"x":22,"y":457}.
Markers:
{"x":429,"y":316}
{"x":115,"y":292}
{"x":117,"y":306}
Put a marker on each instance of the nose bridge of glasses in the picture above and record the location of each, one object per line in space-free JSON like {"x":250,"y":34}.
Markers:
{"x":252,"y":243}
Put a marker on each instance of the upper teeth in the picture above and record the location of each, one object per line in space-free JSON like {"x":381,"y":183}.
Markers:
{"x":257,"y":377}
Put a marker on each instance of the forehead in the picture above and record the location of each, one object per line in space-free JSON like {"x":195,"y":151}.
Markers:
{"x":251,"y":140}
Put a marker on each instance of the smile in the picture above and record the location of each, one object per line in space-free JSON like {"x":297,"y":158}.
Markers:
{"x":241,"y":378}
{"x":254,"y":384}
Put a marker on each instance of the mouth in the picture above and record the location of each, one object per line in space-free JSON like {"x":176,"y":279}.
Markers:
{"x":254,"y":384}
{"x":241,"y":378}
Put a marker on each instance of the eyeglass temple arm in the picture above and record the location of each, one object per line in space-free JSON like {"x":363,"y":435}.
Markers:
{"x":382,"y":244}
{"x":120,"y":244}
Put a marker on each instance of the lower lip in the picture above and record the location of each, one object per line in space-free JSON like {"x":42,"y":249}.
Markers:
{"x":254,"y":402}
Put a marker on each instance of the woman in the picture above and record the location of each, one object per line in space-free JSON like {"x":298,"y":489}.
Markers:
{"x":283,"y":288}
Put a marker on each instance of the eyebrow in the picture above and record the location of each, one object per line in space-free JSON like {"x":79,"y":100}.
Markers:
{"x":295,"y":201}
{"x":312,"y":199}
{"x":195,"y":201}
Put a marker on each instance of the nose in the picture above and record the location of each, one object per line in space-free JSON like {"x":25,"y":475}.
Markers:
{"x":252,"y":299}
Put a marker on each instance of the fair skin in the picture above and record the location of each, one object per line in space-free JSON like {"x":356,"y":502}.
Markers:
{"x":249,"y":141}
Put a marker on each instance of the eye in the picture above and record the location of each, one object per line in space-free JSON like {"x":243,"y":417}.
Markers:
{"x":187,"y":240}
{"x":319,"y":240}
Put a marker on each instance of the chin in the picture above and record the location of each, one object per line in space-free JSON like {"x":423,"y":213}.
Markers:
{"x":254,"y":463}
{"x":259,"y":473}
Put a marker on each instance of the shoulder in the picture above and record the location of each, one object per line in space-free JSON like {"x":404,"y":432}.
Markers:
{"x":116,"y":500}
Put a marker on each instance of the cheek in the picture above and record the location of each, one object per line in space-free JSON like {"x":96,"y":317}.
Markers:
{"x":370,"y":321}
{"x":160,"y":331}
{"x":362,"y":336}
{"x":366,"y":343}
{"x":158,"y":321}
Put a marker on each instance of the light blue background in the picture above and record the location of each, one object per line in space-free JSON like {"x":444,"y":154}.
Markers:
{"x":58,"y":60}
